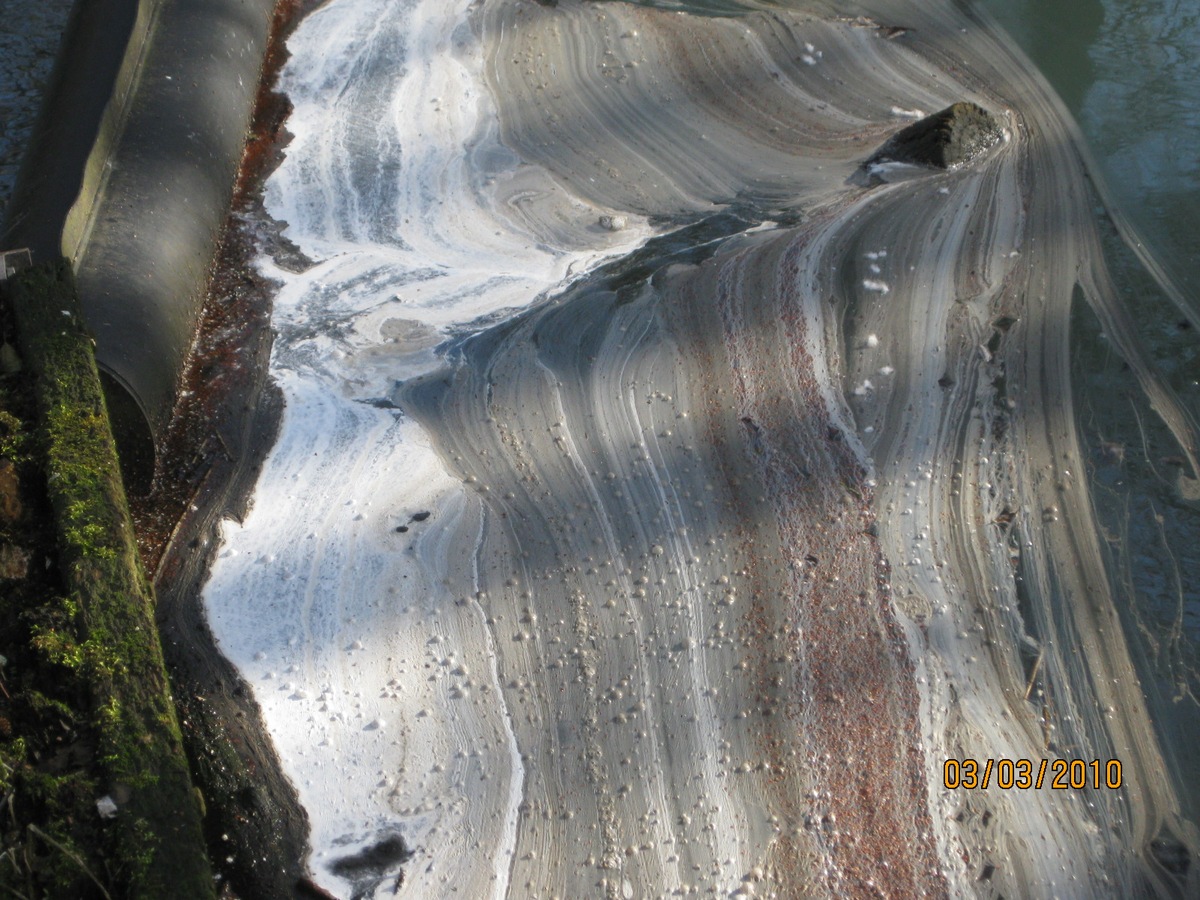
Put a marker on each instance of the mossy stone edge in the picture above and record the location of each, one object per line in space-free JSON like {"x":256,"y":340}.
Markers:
{"x":158,"y":823}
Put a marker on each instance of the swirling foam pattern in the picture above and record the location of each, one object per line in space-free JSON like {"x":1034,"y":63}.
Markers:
{"x":731,"y":542}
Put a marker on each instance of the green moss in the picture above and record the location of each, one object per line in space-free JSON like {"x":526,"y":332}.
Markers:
{"x":102,"y":632}
{"x":61,"y":849}
{"x":12,"y":437}
{"x":12,"y":755}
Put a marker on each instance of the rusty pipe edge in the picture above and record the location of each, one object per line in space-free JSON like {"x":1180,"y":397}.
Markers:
{"x":129,"y":174}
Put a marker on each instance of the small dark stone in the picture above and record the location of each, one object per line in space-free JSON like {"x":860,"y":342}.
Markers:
{"x":374,"y":860}
{"x":1171,"y":854}
{"x":419,"y":517}
{"x":944,"y":140}
{"x":14,"y":562}
{"x":10,"y":493}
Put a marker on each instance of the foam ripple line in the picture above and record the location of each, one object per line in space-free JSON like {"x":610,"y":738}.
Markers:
{"x":415,"y":220}
{"x":722,"y":552}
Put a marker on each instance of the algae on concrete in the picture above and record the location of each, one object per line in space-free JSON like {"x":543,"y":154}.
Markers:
{"x":104,"y":628}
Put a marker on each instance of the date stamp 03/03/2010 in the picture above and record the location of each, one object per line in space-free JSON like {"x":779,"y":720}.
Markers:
{"x":1027,"y":774}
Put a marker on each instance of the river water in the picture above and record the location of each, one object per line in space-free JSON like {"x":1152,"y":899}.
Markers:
{"x":428,"y":668}
{"x":352,"y":598}
{"x":1130,"y":72}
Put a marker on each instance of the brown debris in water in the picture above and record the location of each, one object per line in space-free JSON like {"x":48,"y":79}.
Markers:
{"x":199,"y":443}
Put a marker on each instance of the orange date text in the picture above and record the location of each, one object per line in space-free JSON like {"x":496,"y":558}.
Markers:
{"x":1026,"y":774}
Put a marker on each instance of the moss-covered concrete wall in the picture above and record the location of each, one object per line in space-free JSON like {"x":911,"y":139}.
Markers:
{"x":103,"y":631}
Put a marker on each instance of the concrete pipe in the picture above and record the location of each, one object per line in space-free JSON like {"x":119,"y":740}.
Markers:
{"x":130,"y":174}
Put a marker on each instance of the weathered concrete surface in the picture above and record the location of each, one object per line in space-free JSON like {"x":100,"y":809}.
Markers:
{"x":130,"y":174}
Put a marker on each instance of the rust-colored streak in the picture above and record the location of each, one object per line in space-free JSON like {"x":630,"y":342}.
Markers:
{"x":851,"y":707}
{"x":201,"y":441}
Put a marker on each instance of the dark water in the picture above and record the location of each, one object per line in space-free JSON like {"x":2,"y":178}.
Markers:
{"x":1129,"y":71}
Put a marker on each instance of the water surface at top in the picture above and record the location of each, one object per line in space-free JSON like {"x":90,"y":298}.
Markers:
{"x":1130,"y":73}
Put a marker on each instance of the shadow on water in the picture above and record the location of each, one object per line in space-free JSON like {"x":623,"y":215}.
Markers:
{"x":714,"y":8}
{"x":585,"y":358}
{"x":614,"y":290}
{"x":692,"y":240}
{"x":373,"y":867}
{"x":560,"y":334}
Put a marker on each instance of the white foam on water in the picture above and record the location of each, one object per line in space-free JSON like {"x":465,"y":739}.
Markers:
{"x":381,"y":685}
{"x":396,"y":186}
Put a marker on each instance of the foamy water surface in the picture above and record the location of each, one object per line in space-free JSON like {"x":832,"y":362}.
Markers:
{"x":687,"y":574}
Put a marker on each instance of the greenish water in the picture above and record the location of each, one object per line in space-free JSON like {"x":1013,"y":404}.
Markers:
{"x":1129,"y":70}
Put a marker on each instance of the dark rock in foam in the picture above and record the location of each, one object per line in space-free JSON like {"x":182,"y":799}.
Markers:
{"x":945,"y":140}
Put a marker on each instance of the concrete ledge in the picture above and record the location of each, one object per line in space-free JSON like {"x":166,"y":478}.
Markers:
{"x":108,"y":635}
{"x":131,"y":172}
